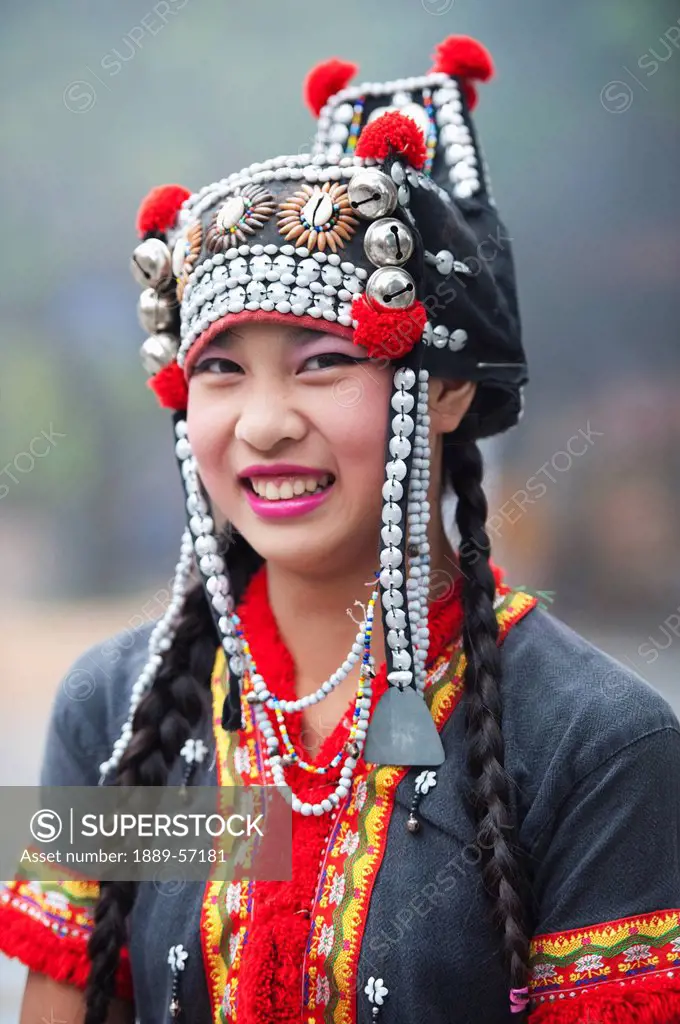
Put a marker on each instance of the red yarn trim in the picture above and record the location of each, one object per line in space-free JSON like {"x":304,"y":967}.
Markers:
{"x":653,"y":1002}
{"x":158,"y":210}
{"x":393,"y":134}
{"x":463,"y":57}
{"x":386,"y":333}
{"x":61,"y":957}
{"x":324,"y":80}
{"x":271,"y":973}
{"x":170,"y":387}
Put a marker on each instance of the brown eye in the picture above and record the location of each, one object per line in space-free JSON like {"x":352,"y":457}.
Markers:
{"x":342,"y":356}
{"x":215,"y":364}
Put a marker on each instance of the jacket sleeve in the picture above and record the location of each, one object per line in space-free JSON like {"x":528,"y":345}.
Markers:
{"x":46,"y":924}
{"x":607,"y":891}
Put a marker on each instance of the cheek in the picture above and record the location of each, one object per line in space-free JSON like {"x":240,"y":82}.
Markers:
{"x":210,"y":431}
{"x":355,"y":420}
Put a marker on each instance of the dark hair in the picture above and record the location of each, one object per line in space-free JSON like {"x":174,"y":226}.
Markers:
{"x":504,"y":870}
{"x":179,"y":696}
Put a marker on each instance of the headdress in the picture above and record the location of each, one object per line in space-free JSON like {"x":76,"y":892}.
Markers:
{"x":387,"y":231}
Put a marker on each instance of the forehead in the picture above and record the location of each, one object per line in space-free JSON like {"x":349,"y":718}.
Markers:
{"x":291,"y":334}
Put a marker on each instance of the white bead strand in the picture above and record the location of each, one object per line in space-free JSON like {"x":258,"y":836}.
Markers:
{"x":160,"y":641}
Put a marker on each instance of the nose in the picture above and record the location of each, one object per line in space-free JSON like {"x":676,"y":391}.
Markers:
{"x":267,"y":418}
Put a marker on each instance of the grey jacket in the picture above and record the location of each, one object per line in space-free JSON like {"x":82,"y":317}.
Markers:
{"x":594,"y":754}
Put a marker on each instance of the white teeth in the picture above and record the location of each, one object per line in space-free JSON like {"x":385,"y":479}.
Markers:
{"x":292,"y":487}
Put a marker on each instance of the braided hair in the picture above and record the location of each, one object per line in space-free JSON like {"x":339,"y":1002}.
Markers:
{"x":178,"y":700}
{"x":504,"y":872}
{"x":174,"y":706}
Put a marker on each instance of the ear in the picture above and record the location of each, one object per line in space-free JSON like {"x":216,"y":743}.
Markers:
{"x":448,"y":401}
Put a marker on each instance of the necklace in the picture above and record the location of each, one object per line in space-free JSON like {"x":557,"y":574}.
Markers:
{"x":351,"y":750}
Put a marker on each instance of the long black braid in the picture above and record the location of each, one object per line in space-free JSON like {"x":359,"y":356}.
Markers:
{"x":165,"y":718}
{"x":504,"y":872}
{"x":178,"y":700}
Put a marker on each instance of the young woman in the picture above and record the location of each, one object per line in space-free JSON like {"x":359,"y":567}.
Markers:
{"x":485,"y":806}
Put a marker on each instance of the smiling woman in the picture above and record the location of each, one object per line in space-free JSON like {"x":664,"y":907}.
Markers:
{"x":470,"y":803}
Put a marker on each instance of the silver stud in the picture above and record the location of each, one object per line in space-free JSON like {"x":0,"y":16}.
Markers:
{"x":151,"y":263}
{"x":155,"y":311}
{"x":371,"y":193}
{"x":391,"y":287}
{"x":388,"y":242}
{"x":457,"y":339}
{"x":158,"y":351}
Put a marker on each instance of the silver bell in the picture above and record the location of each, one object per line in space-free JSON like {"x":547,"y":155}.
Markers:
{"x":391,"y":287}
{"x":371,"y":193}
{"x":151,"y":264}
{"x":158,"y":351}
{"x":155,"y":312}
{"x":388,"y":242}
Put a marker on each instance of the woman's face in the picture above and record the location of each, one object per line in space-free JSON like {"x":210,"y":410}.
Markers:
{"x":265,"y":394}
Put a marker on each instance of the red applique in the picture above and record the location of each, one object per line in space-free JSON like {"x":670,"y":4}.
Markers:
{"x":324,"y":80}
{"x":393,"y":133}
{"x":387,"y":333}
{"x":158,"y":210}
{"x":170,"y":387}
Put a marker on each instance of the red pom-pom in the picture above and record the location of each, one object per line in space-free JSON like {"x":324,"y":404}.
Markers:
{"x":158,"y":210}
{"x":393,"y":133}
{"x":324,"y":80}
{"x":387,"y":333}
{"x":170,"y":387}
{"x":463,"y":57}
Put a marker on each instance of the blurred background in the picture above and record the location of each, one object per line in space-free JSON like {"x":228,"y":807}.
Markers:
{"x":103,"y":101}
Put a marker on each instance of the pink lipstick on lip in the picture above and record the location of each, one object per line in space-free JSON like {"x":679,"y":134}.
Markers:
{"x":283,"y":507}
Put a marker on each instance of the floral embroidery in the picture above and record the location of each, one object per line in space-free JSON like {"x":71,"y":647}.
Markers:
{"x":350,"y":843}
{"x":337,"y":890}
{"x":233,"y":898}
{"x":242,"y":760}
{"x":323,"y":991}
{"x":588,"y":964}
{"x":360,"y":794}
{"x":326,"y":939}
{"x":629,"y":951}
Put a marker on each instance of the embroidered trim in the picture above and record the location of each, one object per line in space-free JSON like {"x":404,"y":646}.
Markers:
{"x":47,"y":925}
{"x":616,"y":954}
{"x":353,"y":855}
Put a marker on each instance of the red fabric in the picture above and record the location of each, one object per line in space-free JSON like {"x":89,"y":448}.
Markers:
{"x":270,"y":981}
{"x":324,"y":80}
{"x":393,"y":133}
{"x":158,"y":210}
{"x":170,"y":387}
{"x":387,"y":333}
{"x":653,"y":1001}
{"x":61,"y":957}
